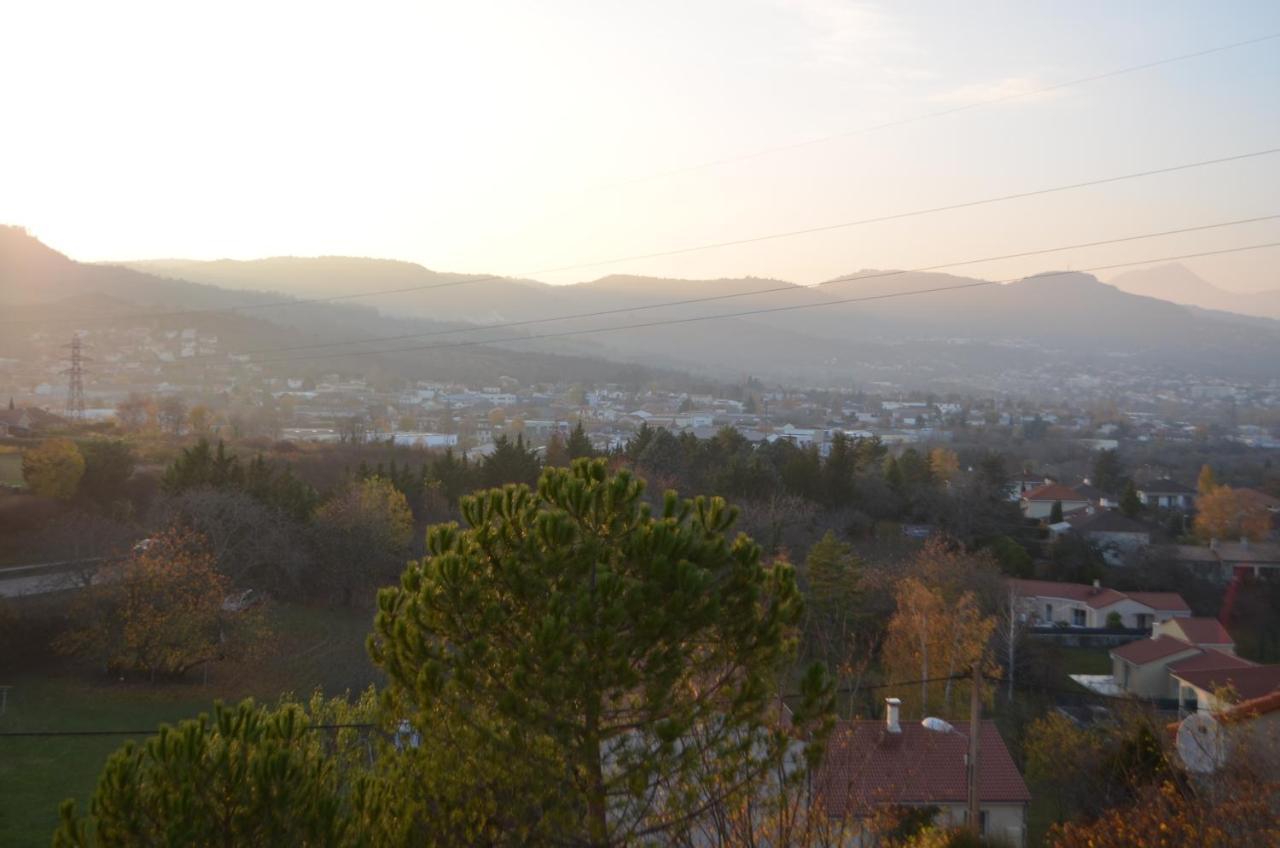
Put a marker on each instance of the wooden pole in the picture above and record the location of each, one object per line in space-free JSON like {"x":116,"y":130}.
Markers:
{"x":975,"y":727}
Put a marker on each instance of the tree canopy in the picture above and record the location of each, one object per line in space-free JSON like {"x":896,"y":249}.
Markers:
{"x":620,"y":656}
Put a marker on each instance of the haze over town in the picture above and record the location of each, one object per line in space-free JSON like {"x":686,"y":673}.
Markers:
{"x":785,"y":422}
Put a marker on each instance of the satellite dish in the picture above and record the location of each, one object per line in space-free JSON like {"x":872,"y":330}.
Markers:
{"x":1201,"y":743}
{"x":937,"y":725}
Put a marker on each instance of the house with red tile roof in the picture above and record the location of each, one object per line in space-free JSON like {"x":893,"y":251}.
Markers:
{"x":1201,"y":685}
{"x":1038,"y":502}
{"x":1201,"y":632}
{"x":1190,"y":659}
{"x":874,"y":764}
{"x":1048,"y":602}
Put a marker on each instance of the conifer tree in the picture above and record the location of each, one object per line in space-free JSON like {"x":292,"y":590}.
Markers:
{"x":608,"y":671}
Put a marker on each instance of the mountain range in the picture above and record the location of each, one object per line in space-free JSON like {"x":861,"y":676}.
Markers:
{"x":1179,"y":284}
{"x":919,"y":329}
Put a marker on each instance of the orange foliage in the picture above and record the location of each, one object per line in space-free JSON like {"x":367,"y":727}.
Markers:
{"x":1224,"y":514}
{"x":1173,"y":816}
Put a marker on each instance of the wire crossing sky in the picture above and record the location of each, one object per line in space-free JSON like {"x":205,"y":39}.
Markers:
{"x":492,"y":137}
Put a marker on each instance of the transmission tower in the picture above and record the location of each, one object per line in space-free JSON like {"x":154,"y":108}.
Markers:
{"x":75,"y":387}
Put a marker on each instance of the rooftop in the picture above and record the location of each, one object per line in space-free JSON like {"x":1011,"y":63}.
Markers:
{"x":1165,"y":486}
{"x":1249,"y":682}
{"x":867,"y":766}
{"x":1210,"y":659}
{"x":1149,"y":650}
{"x":1054,"y":492}
{"x":1097,"y":596}
{"x":1202,"y":631}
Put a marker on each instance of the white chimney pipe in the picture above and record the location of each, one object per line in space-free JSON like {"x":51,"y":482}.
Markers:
{"x":892,"y":708}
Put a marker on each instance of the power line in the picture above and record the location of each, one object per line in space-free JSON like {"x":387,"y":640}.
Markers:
{"x":41,"y":734}
{"x":777,"y":289}
{"x":969,"y":204}
{"x":1005,"y":98}
{"x":763,"y":311}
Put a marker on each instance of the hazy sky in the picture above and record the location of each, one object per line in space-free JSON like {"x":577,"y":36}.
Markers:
{"x":508,"y":137}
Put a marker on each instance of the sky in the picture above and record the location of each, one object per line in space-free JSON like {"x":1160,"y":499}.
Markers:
{"x":515,"y":137}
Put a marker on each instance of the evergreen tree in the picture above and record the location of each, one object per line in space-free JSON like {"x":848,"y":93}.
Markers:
{"x":637,"y":444}
{"x":838,"y":471}
{"x":1108,"y":473}
{"x":579,"y":445}
{"x":557,"y":454}
{"x":1130,"y":503}
{"x":893,"y":475}
{"x":510,"y":462}
{"x":243,"y":776}
{"x":608,"y":673}
{"x":202,"y":465}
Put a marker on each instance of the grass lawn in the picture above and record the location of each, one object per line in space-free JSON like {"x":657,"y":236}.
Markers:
{"x":310,"y":649}
{"x":1086,"y":660}
{"x":11,"y":468}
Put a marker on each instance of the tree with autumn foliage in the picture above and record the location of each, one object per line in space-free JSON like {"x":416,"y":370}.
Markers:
{"x":1181,"y":813}
{"x":362,"y":537}
{"x":1223,"y":514}
{"x":53,"y":469}
{"x":930,"y":637}
{"x":943,"y":463}
{"x":162,"y":612}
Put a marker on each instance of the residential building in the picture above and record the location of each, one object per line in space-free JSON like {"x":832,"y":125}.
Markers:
{"x":1167,"y":494}
{"x":1228,"y":560}
{"x":1046,"y":602}
{"x":1117,"y":538}
{"x":1038,"y":503}
{"x":872,"y":764}
{"x":1251,"y":732}
{"x":1188,"y":659}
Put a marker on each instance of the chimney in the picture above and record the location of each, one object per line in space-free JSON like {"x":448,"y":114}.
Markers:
{"x":892,"y":708}
{"x":1097,"y":584}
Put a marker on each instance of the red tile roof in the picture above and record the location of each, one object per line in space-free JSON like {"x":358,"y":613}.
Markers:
{"x":1097,"y":597}
{"x":1204,"y":631}
{"x":1209,"y":659}
{"x":1164,"y":601}
{"x":1252,"y":682}
{"x":866,"y":766}
{"x":1054,"y":492}
{"x":1149,"y":650}
{"x":1254,"y":707}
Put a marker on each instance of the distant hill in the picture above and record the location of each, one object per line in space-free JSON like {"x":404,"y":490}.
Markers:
{"x":980,"y":335}
{"x":1179,"y":284}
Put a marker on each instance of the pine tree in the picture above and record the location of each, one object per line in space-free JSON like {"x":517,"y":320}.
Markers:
{"x":1130,"y":503}
{"x":627,"y":664}
{"x":1108,"y":473}
{"x":838,"y":471}
{"x":579,"y":445}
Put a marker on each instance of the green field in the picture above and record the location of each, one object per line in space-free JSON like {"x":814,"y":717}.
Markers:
{"x":309,"y":649}
{"x":11,"y":469}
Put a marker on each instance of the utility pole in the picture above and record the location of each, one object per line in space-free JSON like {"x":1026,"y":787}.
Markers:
{"x":975,"y":727}
{"x":75,"y":387}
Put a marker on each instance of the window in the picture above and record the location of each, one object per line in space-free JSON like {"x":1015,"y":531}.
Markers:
{"x":982,"y":821}
{"x":1048,"y":612}
{"x":1077,"y":617}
